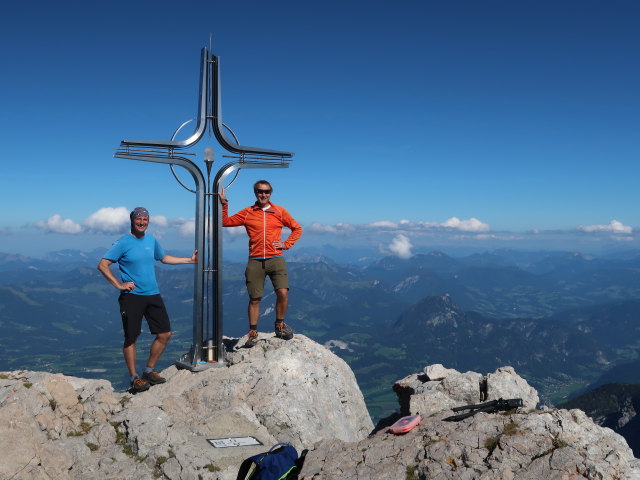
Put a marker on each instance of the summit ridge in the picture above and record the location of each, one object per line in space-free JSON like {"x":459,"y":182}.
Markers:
{"x":61,"y":427}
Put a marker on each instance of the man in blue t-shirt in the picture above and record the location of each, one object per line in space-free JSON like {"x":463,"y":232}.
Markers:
{"x":135,"y":254}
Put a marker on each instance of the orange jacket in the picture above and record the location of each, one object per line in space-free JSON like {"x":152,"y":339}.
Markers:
{"x":263,"y":227}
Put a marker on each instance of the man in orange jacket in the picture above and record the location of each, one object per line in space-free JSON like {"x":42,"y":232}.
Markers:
{"x":263,"y":222}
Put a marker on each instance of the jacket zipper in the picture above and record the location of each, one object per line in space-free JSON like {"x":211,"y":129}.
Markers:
{"x":264,"y":234}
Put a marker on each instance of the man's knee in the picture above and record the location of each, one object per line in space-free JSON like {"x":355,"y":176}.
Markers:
{"x":282,"y":293}
{"x":255,"y":301}
{"x":164,"y":336}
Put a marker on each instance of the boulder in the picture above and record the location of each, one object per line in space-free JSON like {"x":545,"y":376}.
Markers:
{"x":506,"y":383}
{"x":523,"y":444}
{"x":553,"y":444}
{"x":294,"y":391}
{"x":38,"y":412}
{"x":438,"y":372}
{"x":438,"y":388}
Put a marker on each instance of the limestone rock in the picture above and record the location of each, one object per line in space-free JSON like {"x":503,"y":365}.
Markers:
{"x":544,"y":444}
{"x":42,"y":417}
{"x":290,"y":376}
{"x":439,"y":388}
{"x":296,"y":391}
{"x":506,"y":383}
{"x":438,"y":372}
{"x":627,"y":414}
{"x":62,"y":427}
{"x":418,"y":394}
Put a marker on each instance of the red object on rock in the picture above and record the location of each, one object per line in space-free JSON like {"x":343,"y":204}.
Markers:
{"x":405,"y":424}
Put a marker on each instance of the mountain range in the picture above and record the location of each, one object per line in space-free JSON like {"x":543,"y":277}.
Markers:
{"x":562,"y":319}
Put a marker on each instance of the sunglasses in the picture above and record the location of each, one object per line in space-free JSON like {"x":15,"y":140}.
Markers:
{"x":266,"y":192}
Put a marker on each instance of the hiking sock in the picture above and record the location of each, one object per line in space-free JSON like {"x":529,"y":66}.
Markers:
{"x":279,"y":320}
{"x":148,"y":370}
{"x":133,"y":377}
{"x":253,"y":327}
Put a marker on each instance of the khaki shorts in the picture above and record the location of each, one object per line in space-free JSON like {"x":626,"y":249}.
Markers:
{"x":257,"y":271}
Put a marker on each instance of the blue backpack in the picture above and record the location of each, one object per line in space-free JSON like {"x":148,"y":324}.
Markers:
{"x":279,"y":463}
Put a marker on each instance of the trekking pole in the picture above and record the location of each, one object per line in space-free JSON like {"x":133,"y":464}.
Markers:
{"x":487,"y":407}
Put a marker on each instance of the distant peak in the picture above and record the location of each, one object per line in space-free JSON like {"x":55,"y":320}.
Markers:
{"x":430,"y":312}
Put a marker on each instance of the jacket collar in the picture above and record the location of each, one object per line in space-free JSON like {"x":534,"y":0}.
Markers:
{"x":255,"y":206}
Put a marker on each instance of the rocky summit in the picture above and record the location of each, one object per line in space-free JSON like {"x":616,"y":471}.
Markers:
{"x":524,"y":443}
{"x":58,"y":427}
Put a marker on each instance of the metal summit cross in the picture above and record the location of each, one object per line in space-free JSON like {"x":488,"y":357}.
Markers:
{"x":207,"y":349}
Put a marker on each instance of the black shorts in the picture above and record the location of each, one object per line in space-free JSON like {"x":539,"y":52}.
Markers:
{"x":133,"y":307}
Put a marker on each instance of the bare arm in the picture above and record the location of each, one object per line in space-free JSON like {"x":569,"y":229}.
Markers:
{"x":171,"y":260}
{"x":105,"y":268}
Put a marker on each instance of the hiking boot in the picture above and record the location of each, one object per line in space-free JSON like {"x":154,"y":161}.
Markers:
{"x":139,"y":385}
{"x":283,"y":331}
{"x":153,"y":377}
{"x":252,"y":339}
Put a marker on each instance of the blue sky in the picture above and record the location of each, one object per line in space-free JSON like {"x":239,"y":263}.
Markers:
{"x":415,"y":124}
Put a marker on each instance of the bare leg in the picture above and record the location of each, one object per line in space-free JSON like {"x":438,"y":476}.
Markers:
{"x":129,"y":352}
{"x":254,"y":311}
{"x":157,"y":347}
{"x":282,"y":302}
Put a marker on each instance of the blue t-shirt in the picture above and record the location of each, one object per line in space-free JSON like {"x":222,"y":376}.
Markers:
{"x":135,"y":257}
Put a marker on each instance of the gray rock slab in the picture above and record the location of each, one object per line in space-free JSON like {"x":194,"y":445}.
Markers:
{"x":67,"y":427}
{"x":528,"y":445}
{"x":296,"y":391}
{"x":438,"y":389}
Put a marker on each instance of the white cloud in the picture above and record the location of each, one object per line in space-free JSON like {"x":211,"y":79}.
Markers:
{"x":403,"y":226}
{"x":235,"y":231}
{"x":57,"y":224}
{"x":382,"y":224}
{"x":618,"y":238}
{"x":401,"y":246}
{"x":338,"y":228}
{"x":345,"y":228}
{"x":186,"y":226}
{"x":104,"y":220}
{"x":159,"y":221}
{"x":319,"y":228}
{"x":470,"y":225}
{"x":108,"y":220}
{"x":493,"y":236}
{"x":615,"y":226}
